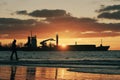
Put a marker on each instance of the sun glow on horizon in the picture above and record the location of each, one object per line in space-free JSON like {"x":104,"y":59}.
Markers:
{"x":108,"y":41}
{"x":63,"y":45}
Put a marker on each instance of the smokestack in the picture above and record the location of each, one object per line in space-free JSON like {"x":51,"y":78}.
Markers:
{"x":57,"y":38}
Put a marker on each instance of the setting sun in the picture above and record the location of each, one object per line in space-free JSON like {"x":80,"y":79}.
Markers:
{"x":63,"y":45}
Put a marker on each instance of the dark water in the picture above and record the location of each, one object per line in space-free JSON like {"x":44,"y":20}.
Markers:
{"x":64,"y":55}
{"x":100,"y":65}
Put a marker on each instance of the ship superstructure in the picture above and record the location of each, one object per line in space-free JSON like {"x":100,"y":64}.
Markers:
{"x":31,"y":41}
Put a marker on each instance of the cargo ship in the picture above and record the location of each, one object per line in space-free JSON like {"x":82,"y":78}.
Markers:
{"x":87,"y":48}
{"x":31,"y":45}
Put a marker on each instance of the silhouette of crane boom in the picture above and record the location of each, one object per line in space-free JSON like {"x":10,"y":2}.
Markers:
{"x":44,"y":42}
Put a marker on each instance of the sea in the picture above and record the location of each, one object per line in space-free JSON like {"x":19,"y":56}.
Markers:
{"x":61,"y":65}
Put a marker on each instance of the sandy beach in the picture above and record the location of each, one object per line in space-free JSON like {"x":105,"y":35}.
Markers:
{"x":53,"y":73}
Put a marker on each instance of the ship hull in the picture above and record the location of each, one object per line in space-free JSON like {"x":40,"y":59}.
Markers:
{"x":87,"y":48}
{"x":102,"y":48}
{"x":70,"y":48}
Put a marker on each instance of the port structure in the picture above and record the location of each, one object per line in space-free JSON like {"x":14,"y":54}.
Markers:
{"x":31,"y":41}
{"x":44,"y":42}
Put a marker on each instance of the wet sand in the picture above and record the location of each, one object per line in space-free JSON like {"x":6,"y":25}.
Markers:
{"x":49,"y":73}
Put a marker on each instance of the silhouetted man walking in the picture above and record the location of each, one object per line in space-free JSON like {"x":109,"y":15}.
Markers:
{"x":14,"y":50}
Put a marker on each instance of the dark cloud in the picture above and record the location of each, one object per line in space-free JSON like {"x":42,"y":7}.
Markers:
{"x":48,"y":13}
{"x":87,"y":20}
{"x":81,"y":25}
{"x":16,"y":21}
{"x":76,"y":26}
{"x":63,"y":25}
{"x":108,"y":15}
{"x":23,"y":12}
{"x":110,"y":12}
{"x":71,"y":19}
{"x":45,"y":13}
{"x":109,"y":8}
{"x":16,"y":26}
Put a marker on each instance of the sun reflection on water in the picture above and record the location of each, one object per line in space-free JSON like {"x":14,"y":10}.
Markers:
{"x":49,"y":73}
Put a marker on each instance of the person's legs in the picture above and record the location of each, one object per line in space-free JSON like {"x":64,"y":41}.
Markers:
{"x":16,"y":55}
{"x":11,"y":57}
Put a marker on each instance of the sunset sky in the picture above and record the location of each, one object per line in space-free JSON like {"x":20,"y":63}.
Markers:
{"x":84,"y":21}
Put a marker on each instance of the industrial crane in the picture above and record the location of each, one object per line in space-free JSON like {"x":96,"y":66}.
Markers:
{"x":44,"y":42}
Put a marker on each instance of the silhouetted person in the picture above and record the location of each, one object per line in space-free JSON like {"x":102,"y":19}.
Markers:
{"x":14,"y":50}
